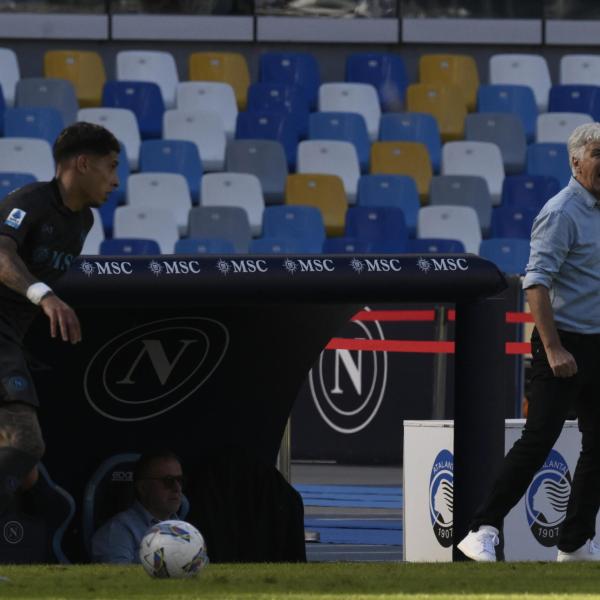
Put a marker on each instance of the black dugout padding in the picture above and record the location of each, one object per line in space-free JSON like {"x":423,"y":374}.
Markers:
{"x":201,"y":353}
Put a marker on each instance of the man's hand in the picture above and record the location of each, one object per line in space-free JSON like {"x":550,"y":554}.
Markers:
{"x":561,"y":361}
{"x":62,"y":317}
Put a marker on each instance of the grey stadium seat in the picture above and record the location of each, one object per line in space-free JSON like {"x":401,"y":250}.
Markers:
{"x":227,"y":222}
{"x":43,"y":91}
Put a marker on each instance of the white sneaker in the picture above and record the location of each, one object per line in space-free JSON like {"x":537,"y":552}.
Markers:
{"x":480,"y":545}
{"x":589,"y":551}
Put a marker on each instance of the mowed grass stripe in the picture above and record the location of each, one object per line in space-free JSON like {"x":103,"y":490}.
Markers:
{"x":354,"y":581}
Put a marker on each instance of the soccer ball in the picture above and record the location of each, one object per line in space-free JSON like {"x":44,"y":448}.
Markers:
{"x":173,"y":549}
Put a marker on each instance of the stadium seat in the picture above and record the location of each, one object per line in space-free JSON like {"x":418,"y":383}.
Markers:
{"x":226,"y":222}
{"x":143,"y":98}
{"x":150,"y":65}
{"x":514,"y":99}
{"x":209,"y":96}
{"x":331,"y":158}
{"x":299,"y":69}
{"x":235,"y":189}
{"x":399,"y":191}
{"x":435,"y":246}
{"x":523,"y":69}
{"x":383,"y":227}
{"x":576,"y":99}
{"x":173,"y":156}
{"x":463,"y":190}
{"x":303,"y":224}
{"x":343,"y":127}
{"x":226,"y":67}
{"x":413,"y":127}
{"x":204,"y":128}
{"x":325,"y":192}
{"x":549,"y":159}
{"x":34,"y":155}
{"x":403,"y":158}
{"x":512,"y":222}
{"x":264,"y":158}
{"x":579,"y":69}
{"x":129,"y":247}
{"x":451,"y":69}
{"x":451,"y":222}
{"x":384,"y":71}
{"x":94,"y":238}
{"x":13,"y":181}
{"x":40,"y":123}
{"x":147,"y":223}
{"x":264,"y":125}
{"x":346,"y":245}
{"x":168,"y":191}
{"x":117,"y":197}
{"x":122,"y":123}
{"x":510,"y":255}
{"x":529,"y":191}
{"x":475,"y":158}
{"x":504,"y":130}
{"x":556,"y":127}
{"x":204,"y":246}
{"x":280,"y":97}
{"x":445,"y":102}
{"x":358,"y":98}
{"x":83,"y":68}
{"x":280,"y":246}
{"x":9,"y":74}
{"x":38,"y":92}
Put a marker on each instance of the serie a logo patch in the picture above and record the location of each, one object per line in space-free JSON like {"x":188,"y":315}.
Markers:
{"x":15,"y":218}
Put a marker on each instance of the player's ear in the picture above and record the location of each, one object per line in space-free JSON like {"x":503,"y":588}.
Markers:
{"x":575,"y":163}
{"x":82,"y":162}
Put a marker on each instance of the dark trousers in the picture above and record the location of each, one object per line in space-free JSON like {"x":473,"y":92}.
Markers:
{"x":550,"y":401}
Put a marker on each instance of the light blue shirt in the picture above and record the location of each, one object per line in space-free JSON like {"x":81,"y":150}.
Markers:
{"x":118,"y":540}
{"x":565,"y":258}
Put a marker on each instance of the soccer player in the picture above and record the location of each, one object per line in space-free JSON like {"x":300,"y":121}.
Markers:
{"x":563,"y":288}
{"x":42,"y":229}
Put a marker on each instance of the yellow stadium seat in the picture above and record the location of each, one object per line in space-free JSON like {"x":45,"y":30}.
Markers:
{"x":403,"y":158}
{"x":452,"y":69}
{"x":227,"y":67}
{"x":445,"y":102}
{"x":84,"y":69}
{"x":326,"y":192}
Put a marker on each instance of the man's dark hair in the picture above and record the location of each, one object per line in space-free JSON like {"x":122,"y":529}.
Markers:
{"x":144,"y":462}
{"x":84,"y":138}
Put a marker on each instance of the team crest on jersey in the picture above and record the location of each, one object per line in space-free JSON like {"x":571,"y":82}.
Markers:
{"x":15,"y":218}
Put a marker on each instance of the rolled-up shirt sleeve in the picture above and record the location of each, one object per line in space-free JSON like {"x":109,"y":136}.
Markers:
{"x":552,"y":237}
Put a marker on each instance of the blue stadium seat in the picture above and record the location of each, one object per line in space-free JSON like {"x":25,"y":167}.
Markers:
{"x":43,"y":123}
{"x":575,"y":98}
{"x":116,"y":198}
{"x":530,"y":191}
{"x":270,"y":245}
{"x":512,"y":222}
{"x":413,"y":127}
{"x":2,"y":109}
{"x":280,"y":97}
{"x":204,"y":246}
{"x":129,"y":247}
{"x":144,"y":98}
{"x":264,"y":125}
{"x":301,"y":223}
{"x":173,"y":156}
{"x":384,"y":227}
{"x":399,"y":191}
{"x":435,"y":245}
{"x":344,"y":127}
{"x":385,"y":72}
{"x":517,"y":99}
{"x":13,"y":181}
{"x":549,"y":159}
{"x":509,"y":254}
{"x":346,"y":245}
{"x":294,"y":68}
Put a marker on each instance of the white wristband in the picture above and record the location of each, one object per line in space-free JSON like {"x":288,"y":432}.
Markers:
{"x":36,"y":291}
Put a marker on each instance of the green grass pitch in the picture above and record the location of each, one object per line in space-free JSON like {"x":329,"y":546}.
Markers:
{"x":325,"y":581}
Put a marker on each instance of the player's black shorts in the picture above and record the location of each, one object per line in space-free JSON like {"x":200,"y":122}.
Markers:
{"x":16,"y":384}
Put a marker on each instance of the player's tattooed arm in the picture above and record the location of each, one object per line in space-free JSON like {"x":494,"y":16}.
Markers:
{"x":13,"y":272}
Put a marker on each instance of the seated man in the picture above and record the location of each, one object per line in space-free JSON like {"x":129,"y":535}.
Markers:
{"x":158,"y":480}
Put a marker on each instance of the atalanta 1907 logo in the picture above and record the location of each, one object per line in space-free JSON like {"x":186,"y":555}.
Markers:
{"x":441,"y":498}
{"x":547,"y":499}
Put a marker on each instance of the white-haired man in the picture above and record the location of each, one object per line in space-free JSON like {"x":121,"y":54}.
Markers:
{"x":562,"y":283}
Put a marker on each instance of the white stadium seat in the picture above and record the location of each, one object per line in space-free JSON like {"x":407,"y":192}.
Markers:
{"x":450,"y":223}
{"x":147,"y":223}
{"x":580,"y":69}
{"x":9,"y":74}
{"x":27,"y":155}
{"x":95,"y":237}
{"x":558,"y":126}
